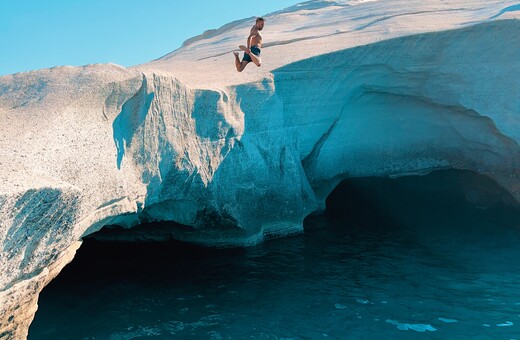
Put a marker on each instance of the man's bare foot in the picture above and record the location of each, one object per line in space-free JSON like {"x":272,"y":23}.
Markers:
{"x":235,"y":53}
{"x":245,"y":49}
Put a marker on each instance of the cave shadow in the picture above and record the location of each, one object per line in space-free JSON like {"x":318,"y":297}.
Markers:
{"x":447,"y":204}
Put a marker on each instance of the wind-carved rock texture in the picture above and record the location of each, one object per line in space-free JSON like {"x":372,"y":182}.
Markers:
{"x":394,"y":108}
{"x":86,"y":147}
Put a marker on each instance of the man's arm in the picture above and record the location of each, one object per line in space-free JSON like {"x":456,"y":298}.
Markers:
{"x":254,"y":32}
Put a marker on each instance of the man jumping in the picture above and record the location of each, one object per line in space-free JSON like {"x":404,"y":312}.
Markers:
{"x":252,"y":51}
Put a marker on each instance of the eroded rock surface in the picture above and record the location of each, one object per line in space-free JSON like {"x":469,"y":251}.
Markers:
{"x":235,"y":159}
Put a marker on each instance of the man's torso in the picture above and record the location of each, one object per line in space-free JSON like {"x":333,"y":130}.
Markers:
{"x":257,"y":37}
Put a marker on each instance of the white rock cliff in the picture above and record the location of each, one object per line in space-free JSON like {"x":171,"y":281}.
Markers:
{"x":347,"y":89}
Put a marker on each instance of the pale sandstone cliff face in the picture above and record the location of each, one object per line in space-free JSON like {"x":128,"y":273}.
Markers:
{"x":238,"y":157}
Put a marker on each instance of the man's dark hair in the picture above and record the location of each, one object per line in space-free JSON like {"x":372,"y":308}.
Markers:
{"x":260,"y":19}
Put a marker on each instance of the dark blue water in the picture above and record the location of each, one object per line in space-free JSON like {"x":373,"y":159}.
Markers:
{"x":445,"y":274}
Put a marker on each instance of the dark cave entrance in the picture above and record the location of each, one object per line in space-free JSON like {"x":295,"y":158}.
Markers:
{"x":444,"y":201}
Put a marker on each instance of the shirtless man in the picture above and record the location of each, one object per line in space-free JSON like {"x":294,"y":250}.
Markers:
{"x":252,"y":51}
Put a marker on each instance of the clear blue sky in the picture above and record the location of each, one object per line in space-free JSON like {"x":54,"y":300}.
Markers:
{"x":36,"y":33}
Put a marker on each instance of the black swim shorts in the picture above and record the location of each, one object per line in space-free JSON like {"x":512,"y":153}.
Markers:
{"x":255,"y":50}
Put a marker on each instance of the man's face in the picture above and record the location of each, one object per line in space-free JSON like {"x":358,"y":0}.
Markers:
{"x":259,"y":25}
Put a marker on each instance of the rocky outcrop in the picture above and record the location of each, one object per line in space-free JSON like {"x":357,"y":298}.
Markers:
{"x":100,"y":145}
{"x":408,"y":105}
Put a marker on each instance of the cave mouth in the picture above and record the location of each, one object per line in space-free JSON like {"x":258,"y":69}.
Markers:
{"x":370,"y":265}
{"x":443,"y":202}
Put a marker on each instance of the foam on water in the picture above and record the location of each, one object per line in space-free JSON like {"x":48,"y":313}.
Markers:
{"x":415,"y":327}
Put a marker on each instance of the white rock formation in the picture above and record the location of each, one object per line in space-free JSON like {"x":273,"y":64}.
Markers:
{"x":347,"y":88}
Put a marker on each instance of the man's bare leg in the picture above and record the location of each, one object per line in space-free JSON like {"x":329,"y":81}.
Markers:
{"x":239,"y":65}
{"x":237,"y":61}
{"x":254,"y":58}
